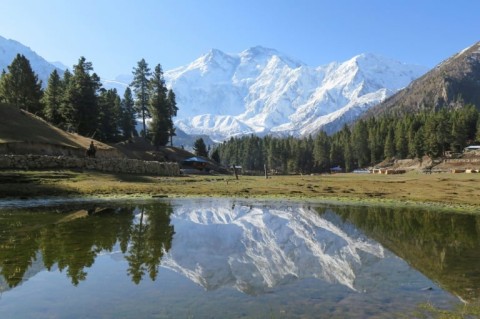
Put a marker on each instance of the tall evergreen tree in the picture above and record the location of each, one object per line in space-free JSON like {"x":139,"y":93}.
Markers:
{"x":360,"y":143}
{"x":140,"y":84}
{"x":375,"y":142}
{"x":128,"y":122}
{"x":80,"y":108}
{"x":3,"y":87}
{"x":401,"y":144}
{"x":419,"y":143}
{"x":159,"y":108}
{"x":459,"y":134}
{"x":52,"y":99}
{"x":216,"y":156}
{"x":443,"y":130}
{"x":389,"y":148}
{"x":200,"y":148}
{"x":20,"y":86}
{"x":172,"y":112}
{"x":321,"y":152}
{"x":432,"y":147}
{"x":109,"y":116}
{"x":471,"y":117}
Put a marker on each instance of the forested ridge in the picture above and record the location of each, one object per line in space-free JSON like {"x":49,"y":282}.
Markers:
{"x":77,"y":102}
{"x":366,"y":143}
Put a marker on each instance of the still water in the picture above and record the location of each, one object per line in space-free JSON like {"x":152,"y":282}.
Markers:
{"x":226,"y":258}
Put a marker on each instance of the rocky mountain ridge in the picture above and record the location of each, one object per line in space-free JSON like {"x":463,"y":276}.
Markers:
{"x":453,"y":83}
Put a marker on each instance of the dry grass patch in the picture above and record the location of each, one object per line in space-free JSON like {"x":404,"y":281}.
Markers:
{"x":450,"y":190}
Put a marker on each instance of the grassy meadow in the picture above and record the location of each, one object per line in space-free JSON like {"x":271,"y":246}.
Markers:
{"x":446,"y":190}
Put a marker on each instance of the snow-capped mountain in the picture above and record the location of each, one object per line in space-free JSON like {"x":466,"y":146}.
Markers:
{"x":9,"y":50}
{"x":255,"y":248}
{"x":261,"y":91}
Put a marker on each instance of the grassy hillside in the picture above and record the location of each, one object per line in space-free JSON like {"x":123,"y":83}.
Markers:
{"x":18,"y":126}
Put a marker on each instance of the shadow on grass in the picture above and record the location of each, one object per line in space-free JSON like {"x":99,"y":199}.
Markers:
{"x":28,"y":190}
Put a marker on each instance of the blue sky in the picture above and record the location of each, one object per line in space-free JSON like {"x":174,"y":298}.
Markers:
{"x":115,"y":34}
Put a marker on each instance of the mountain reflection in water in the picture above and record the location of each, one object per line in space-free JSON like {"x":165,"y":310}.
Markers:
{"x":254,"y":248}
{"x":250,"y":247}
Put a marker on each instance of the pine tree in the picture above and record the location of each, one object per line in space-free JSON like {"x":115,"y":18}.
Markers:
{"x":443,"y":130}
{"x":127,"y":122}
{"x":321,"y":152}
{"x":459,"y":134}
{"x":140,"y":84}
{"x":419,"y":141}
{"x":432,"y":148}
{"x":52,"y":99}
{"x":200,"y":148}
{"x":109,"y":115}
{"x":401,"y":144}
{"x":360,"y":143}
{"x":159,"y":109}
{"x":20,"y":86}
{"x":80,"y":108}
{"x":389,"y":148}
{"x":348,"y":155}
{"x":375,"y":142}
{"x":3,"y":87}
{"x":172,"y":112}
{"x":216,"y":156}
{"x":470,"y":116}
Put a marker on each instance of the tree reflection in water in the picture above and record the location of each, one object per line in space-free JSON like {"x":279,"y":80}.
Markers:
{"x":150,"y":238}
{"x":72,"y":241}
{"x":443,"y":246}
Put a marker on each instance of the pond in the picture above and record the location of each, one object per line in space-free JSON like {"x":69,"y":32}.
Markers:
{"x":228,"y":258}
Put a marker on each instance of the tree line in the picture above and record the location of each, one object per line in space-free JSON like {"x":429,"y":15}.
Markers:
{"x":366,"y":143}
{"x":77,"y":102}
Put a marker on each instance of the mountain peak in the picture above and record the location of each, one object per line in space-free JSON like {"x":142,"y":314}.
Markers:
{"x":215,"y":53}
{"x":259,"y":50}
{"x":260,"y":53}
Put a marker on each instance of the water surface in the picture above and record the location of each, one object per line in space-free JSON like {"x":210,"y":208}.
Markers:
{"x":225,"y":258}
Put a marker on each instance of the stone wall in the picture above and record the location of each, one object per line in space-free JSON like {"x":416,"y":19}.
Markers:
{"x":114,"y":165}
